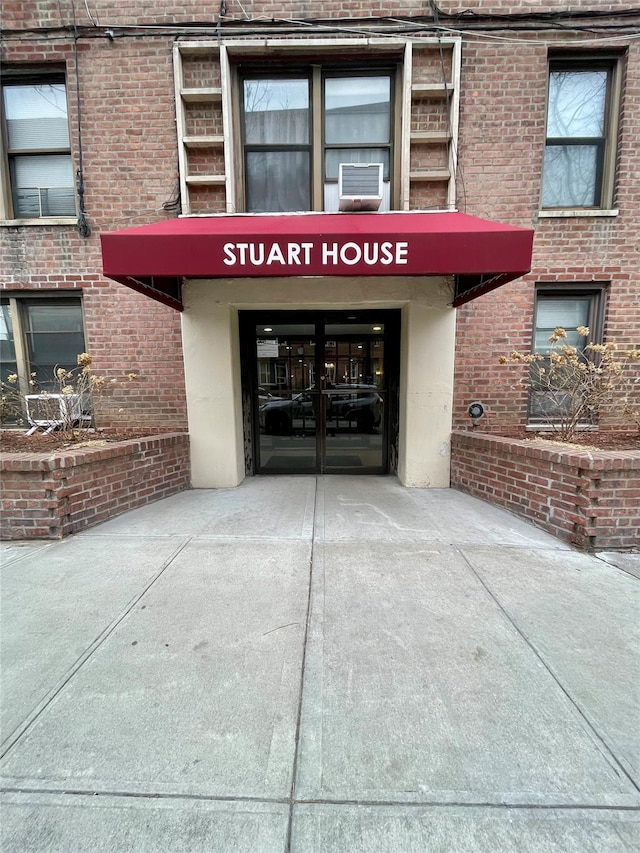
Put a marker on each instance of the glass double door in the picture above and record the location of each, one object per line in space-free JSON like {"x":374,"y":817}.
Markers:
{"x":320,"y":392}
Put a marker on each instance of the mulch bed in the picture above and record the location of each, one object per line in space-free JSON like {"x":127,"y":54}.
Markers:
{"x":606,"y":440}
{"x":16,"y":441}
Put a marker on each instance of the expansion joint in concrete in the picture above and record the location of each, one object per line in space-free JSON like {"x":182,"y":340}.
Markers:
{"x":292,"y":798}
{"x":28,"y":722}
{"x":616,"y":763}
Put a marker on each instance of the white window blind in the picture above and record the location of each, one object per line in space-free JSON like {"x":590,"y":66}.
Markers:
{"x":40,"y":163}
{"x":561,"y":312}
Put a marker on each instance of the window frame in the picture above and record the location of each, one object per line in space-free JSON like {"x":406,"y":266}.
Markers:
{"x":33,"y":76}
{"x":317,"y":72}
{"x":597,"y":293}
{"x":18,"y":307}
{"x":338,"y":73}
{"x":251,"y":147}
{"x":606,"y":144}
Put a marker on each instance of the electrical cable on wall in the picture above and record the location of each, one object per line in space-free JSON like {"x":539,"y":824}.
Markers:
{"x":175,"y":202}
{"x":84,"y":229}
{"x":95,"y":21}
{"x":222,"y":11}
{"x":466,"y":22}
{"x":413,"y":33}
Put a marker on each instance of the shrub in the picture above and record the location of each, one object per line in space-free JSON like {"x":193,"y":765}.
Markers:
{"x":68,"y":408}
{"x":570,"y":387}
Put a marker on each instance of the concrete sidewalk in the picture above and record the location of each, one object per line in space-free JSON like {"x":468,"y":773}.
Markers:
{"x":319,"y":665}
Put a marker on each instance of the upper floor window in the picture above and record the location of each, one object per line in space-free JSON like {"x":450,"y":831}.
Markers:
{"x":38,"y":156}
{"x":298,"y":128}
{"x":579,"y":156}
{"x":277,"y":144}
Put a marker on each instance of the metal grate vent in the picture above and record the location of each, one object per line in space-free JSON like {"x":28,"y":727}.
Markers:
{"x":360,"y":186}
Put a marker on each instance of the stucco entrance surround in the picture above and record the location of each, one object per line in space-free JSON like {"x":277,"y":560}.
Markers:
{"x":212,"y":364}
{"x":423,"y":263}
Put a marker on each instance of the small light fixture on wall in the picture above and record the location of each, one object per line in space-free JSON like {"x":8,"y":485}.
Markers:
{"x":475,"y":412}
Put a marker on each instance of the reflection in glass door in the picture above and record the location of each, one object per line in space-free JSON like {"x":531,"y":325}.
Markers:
{"x":287,"y":400}
{"x":353,"y":398}
{"x":320,"y":392}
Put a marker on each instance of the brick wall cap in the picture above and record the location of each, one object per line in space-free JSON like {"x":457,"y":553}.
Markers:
{"x":603,"y":460}
{"x":69,"y":457}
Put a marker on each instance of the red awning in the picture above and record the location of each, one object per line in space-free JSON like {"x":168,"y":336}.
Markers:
{"x":153,"y":259}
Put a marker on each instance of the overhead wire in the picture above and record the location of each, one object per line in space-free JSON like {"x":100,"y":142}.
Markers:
{"x":95,"y":21}
{"x":467,"y":23}
{"x":65,"y":33}
{"x":489,"y":37}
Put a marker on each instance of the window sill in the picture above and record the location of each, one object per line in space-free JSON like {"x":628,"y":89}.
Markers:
{"x":44,"y":220}
{"x":575,"y":212}
{"x":550,"y":428}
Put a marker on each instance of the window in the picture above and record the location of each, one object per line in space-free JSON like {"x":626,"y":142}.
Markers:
{"x":569,"y":309}
{"x":8,"y":361}
{"x":277,"y":136}
{"x":579,"y":155}
{"x":270,"y":373}
{"x":38,"y":156}
{"x":298,"y":128}
{"x":38,"y":334}
{"x":357,"y":127}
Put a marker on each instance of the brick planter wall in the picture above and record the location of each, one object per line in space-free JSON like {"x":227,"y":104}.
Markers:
{"x":588,"y":498}
{"x":48,"y":496}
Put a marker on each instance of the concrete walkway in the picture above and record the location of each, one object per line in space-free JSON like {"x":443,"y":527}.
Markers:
{"x":319,"y":665}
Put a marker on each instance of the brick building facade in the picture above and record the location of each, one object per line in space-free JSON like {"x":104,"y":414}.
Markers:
{"x":470,"y":94}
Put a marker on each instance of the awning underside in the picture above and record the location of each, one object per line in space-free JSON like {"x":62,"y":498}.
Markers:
{"x":154,"y":259}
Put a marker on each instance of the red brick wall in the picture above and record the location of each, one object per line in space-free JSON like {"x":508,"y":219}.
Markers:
{"x":50,"y":496}
{"x":131,"y":170}
{"x":591,"y":499}
{"x":502,"y":133}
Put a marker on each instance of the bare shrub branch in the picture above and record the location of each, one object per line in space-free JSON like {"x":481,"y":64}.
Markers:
{"x":571,"y":387}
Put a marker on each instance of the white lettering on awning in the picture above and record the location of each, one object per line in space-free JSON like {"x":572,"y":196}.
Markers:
{"x":291,"y":254}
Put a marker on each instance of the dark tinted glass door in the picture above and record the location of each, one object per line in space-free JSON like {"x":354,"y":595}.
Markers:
{"x":319,"y":392}
{"x":286,"y":399}
{"x":353,"y":398}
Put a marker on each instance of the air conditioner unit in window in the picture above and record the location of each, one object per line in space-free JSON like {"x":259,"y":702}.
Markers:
{"x":54,"y":411}
{"x":360,"y":186}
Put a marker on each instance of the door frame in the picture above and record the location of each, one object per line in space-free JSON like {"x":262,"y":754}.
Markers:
{"x":320,"y":318}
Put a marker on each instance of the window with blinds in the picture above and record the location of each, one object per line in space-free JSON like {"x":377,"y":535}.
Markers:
{"x":566,"y":312}
{"x":569,"y":309}
{"x":38,"y":150}
{"x":50,"y":333}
